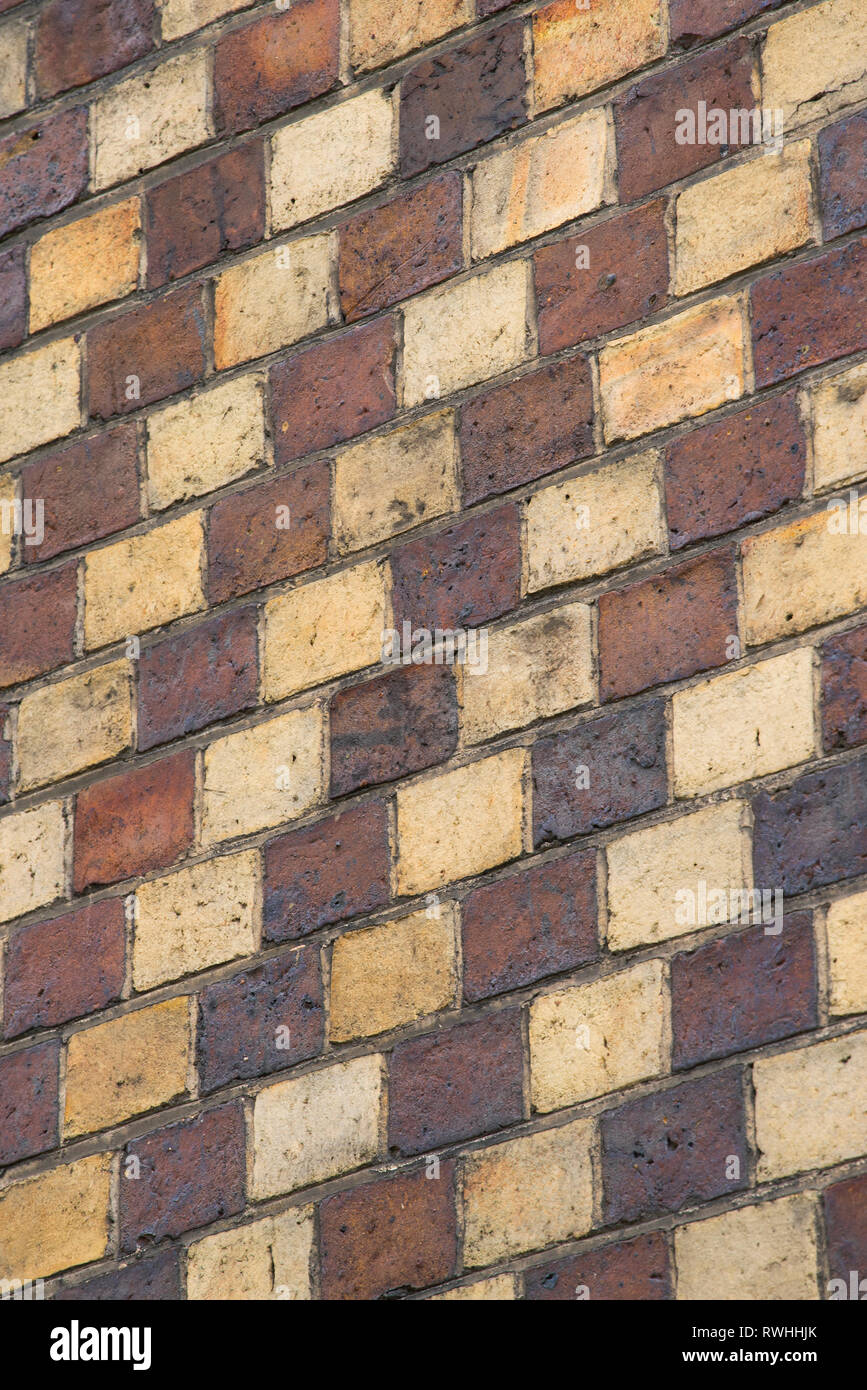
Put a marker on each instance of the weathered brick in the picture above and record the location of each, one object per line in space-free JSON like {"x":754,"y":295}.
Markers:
{"x":839,"y":410}
{"x":695,"y":20}
{"x":382,"y":31}
{"x":813,"y":833}
{"x":205,"y":442}
{"x":326,"y":872}
{"x":64,"y":968}
{"x":393,"y":974}
{"x":330,"y":159}
{"x":813,"y":63}
{"x":43,"y":169}
{"x":275,"y":63}
{"x":249,"y":543}
{"x":272,"y":300}
{"x":143,"y":582}
{"x":825,"y":568}
{"x":464,"y":576}
{"x":499,"y":1288}
{"x":846,"y":1227}
{"x":809,"y":313}
{"x":196,"y":918}
{"x":32,"y":854}
{"x":146,"y":354}
{"x":576,"y":50}
{"x":193,"y":218}
{"x":29,"y":1105}
{"x":324,"y":629}
{"x":5,"y":753}
{"x":178,"y":17}
{"x":39,"y":396}
{"x":844,"y":690}
{"x":80,"y":40}
{"x":9,"y":498}
{"x":633,"y":1269}
{"x":152,"y":1279}
{"x":73,"y":724}
{"x":170,"y":111}
{"x":266,"y":1259}
{"x":37,"y":624}
{"x":262,"y":776}
{"x":137,"y":821}
{"x":13,"y":68}
{"x":810,"y":1106}
{"x":13,"y":298}
{"x":846,"y":931}
{"x":765,"y":1252}
{"x":392,"y":726}
{"x":68,"y":480}
{"x":56,"y":1220}
{"x":842,"y":176}
{"x":205,"y":674}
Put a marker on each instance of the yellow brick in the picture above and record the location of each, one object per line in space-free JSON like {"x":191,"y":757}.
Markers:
{"x":146,"y":120}
{"x":528,"y":1193}
{"x":8,"y":495}
{"x":202,"y":916}
{"x":811,"y":1106}
{"x":499,"y":1289}
{"x":393,"y":974}
{"x":331,"y":159}
{"x":324,"y":629}
{"x":319,"y":1125}
{"x":846,"y":926}
{"x":39,"y":397}
{"x":839,"y":406}
{"x":595,"y":523}
{"x":31,"y":859}
{"x":577,"y":50}
{"x":272,"y":300}
{"x":395,"y":481}
{"x":465,"y":333}
{"x":87,"y":262}
{"x":13,"y":67}
{"x":762,"y":1253}
{"x":599,"y":1037}
{"x":460,"y":823}
{"x":647,"y":869}
{"x":183,"y":16}
{"x":74,"y":724}
{"x":384,"y":29}
{"x":57,"y":1220}
{"x":126,"y":1066}
{"x":744,"y":724}
{"x":143,"y":582}
{"x":690,"y":364}
{"x":262,"y":776}
{"x":203,"y":443}
{"x":742,"y":217}
{"x":801,"y":575}
{"x":814,"y":63}
{"x":269,"y":1259}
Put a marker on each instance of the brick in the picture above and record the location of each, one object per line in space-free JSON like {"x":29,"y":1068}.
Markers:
{"x":205,"y":442}
{"x":391,"y":975}
{"x":807,"y":313}
{"x":686,"y":366}
{"x":526,"y":429}
{"x":825,"y":568}
{"x":160,"y":346}
{"x":499,"y":1289}
{"x":846,"y":1227}
{"x":193,"y":218}
{"x":131,"y":1064}
{"x":595,"y":523}
{"x":266,"y":1259}
{"x":842,"y":179}
{"x":32,"y":853}
{"x":274,"y":64}
{"x":432,"y":817}
{"x":262,"y":776}
{"x":196,"y":918}
{"x":844,"y":690}
{"x":56,"y":1220}
{"x":190,"y":1174}
{"x":80,"y":40}
{"x":272,"y":300}
{"x":415,"y":469}
{"x":839,"y":410}
{"x":39,"y":396}
{"x":390,"y":252}
{"x":813,"y":63}
{"x":695,"y":20}
{"x":326,"y":872}
{"x":134,"y":822}
{"x":143,"y":582}
{"x":392,"y":726}
{"x":633,"y":1269}
{"x":461,"y":577}
{"x":8,"y":521}
{"x":575,"y":52}
{"x":746,"y":989}
{"x":809,"y":1106}
{"x":37,"y":624}
{"x":765,"y":1252}
{"x":846,"y":932}
{"x":390,"y":1236}
{"x":13,"y":68}
{"x":381,"y":32}
{"x":316,"y":1126}
{"x":43,"y":169}
{"x":455,"y":1084}
{"x":29,"y":1105}
{"x":249,"y":543}
{"x":324,"y":629}
{"x":649,"y":868}
{"x":205,"y":674}
{"x":812,"y":833}
{"x":179,"y":17}
{"x":74,"y":724}
{"x":260,"y":1020}
{"x":156,"y":1278}
{"x":5,"y":753}
{"x":70,"y":478}
{"x":331,"y":158}
{"x":171,"y":107}
{"x":13,"y":298}
{"x":64,"y":968}
{"x":476,"y":92}
{"x":527,"y":1193}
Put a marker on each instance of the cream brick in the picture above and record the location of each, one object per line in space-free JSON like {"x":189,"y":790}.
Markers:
{"x":528,"y":1193}
{"x":330,"y":159}
{"x":761,"y":1253}
{"x":183,"y":16}
{"x":465,"y":333}
{"x":74,"y":724}
{"x":84,"y":263}
{"x":145,"y":120}
{"x":31,"y":859}
{"x":272,"y":300}
{"x":8,"y":524}
{"x":577,"y":50}
{"x":803,"y":574}
{"x":595,"y":523}
{"x":815,"y":63}
{"x":647,"y":869}
{"x":202,"y":916}
{"x":314,"y":1127}
{"x":540,"y":183}
{"x":381,"y":30}
{"x":395,"y":481}
{"x":143,"y":582}
{"x":742,"y":217}
{"x":56,"y":1220}
{"x":460,"y":823}
{"x":205,"y":442}
{"x":389,"y":975}
{"x":126,"y":1066}
{"x":39,"y":397}
{"x":744,"y":724}
{"x":269,"y":1259}
{"x":13,"y":67}
{"x":811,"y":1106}
{"x":499,"y":1289}
{"x":846,"y":927}
{"x":262,"y":776}
{"x":685,"y":366}
{"x":536,"y":668}
{"x":839,"y":406}
{"x":324,"y":629}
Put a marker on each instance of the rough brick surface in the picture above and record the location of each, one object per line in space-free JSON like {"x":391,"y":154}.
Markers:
{"x":844,"y":690}
{"x":813,"y":832}
{"x":843,"y":178}
{"x":246,"y":547}
{"x":330,"y":871}
{"x":217,"y":206}
{"x":109,"y":817}
{"x":65,"y":967}
{"x":37,"y":622}
{"x":460,"y":577}
{"x":637,"y":1270}
{"x":42,"y":169}
{"x":808,"y":313}
{"x":197,"y":678}
{"x":29,"y":1106}
{"x":275,"y":63}
{"x":78,"y":42}
{"x":62,"y":478}
{"x":396,"y":724}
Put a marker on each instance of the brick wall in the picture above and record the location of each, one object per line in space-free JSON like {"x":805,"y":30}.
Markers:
{"x":331,"y":976}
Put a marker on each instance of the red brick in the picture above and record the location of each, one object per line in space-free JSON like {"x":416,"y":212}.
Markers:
{"x":90,"y":490}
{"x":9,"y":5}
{"x":638,"y":1270}
{"x":843,"y":175}
{"x":814,"y":832}
{"x":64,"y":968}
{"x":693,"y":21}
{"x":391,"y":726}
{"x":844,"y":690}
{"x":246,"y":548}
{"x":161,"y":343}
{"x":810,"y":313}
{"x":13,"y":301}
{"x":134,"y":822}
{"x":275,"y":63}
{"x":43,"y":169}
{"x":193,"y":218}
{"x":28,"y":1102}
{"x":142,"y":1280}
{"x":5,"y":756}
{"x":206,"y":673}
{"x":466,"y":575}
{"x":37,"y":624}
{"x":846,"y":1228}
{"x":80,"y":40}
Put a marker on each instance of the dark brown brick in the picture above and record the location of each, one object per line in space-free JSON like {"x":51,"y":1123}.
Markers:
{"x":393,"y":251}
{"x":275,"y":63}
{"x":814,"y":832}
{"x":64,"y":968}
{"x":843,"y":175}
{"x":28,"y":1102}
{"x":456,"y":1084}
{"x":134,"y":822}
{"x":528,"y":428}
{"x":844,"y":690}
{"x":476,"y":91}
{"x":161,"y":343}
{"x":207,"y":673}
{"x":80,"y":40}
{"x":693,"y":21}
{"x":90,"y":489}
{"x":810,"y":313}
{"x":334,"y":390}
{"x":13,"y":302}
{"x":486,"y":7}
{"x":326,"y":872}
{"x":633,"y":1269}
{"x":193,"y":218}
{"x":246,"y":548}
{"x":191,"y":1174}
{"x":389,"y":1236}
{"x":466,"y":575}
{"x":239,"y":1019}
{"x":391,"y":726}
{"x":5,"y":754}
{"x":9,"y":5}
{"x":142,"y":1280}
{"x":37,"y":624}
{"x":846,"y":1228}
{"x":721,"y":476}
{"x":746,"y":989}
{"x":626,"y":278}
{"x":43,"y":169}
